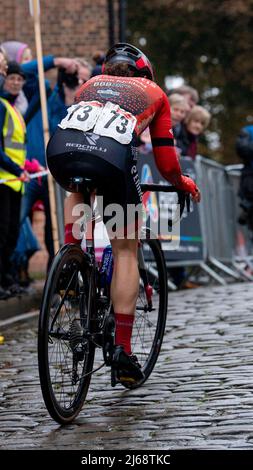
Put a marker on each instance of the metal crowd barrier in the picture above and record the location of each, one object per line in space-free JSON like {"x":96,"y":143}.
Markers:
{"x":219,"y":214}
{"x":212,"y":239}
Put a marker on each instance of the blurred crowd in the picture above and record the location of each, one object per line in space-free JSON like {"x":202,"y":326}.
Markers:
{"x":189,"y":121}
{"x":22,"y":151}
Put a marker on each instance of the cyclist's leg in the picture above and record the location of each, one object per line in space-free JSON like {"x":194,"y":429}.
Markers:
{"x":124,"y":293}
{"x":125,"y":281}
{"x":124,"y":289}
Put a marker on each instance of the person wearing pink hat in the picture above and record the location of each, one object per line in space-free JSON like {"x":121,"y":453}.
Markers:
{"x":18,"y":51}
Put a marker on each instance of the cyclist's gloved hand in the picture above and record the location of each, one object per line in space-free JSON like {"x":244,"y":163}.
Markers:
{"x":189,"y":186}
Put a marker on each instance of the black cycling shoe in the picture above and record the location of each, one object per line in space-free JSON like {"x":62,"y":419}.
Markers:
{"x":125,"y":368}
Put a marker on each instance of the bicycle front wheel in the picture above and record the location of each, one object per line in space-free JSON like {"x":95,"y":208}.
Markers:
{"x":151,"y":308}
{"x":65,"y":354}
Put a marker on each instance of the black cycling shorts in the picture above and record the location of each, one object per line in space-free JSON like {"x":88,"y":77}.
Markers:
{"x":111,"y":165}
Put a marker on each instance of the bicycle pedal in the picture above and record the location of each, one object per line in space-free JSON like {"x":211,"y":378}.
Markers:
{"x":70,"y":293}
{"x":126,"y":381}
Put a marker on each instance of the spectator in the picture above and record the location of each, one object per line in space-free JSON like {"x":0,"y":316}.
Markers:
{"x":35,"y":139}
{"x":12,"y":163}
{"x":178,"y":107}
{"x":3,"y":67}
{"x":98,"y":58}
{"x":62,"y":97}
{"x":144,"y":143}
{"x":84,"y":70}
{"x":21,"y":53}
{"x":244,"y":149}
{"x":17,"y":51}
{"x":190,"y":94}
{"x":38,"y":191}
{"x":187,"y":136}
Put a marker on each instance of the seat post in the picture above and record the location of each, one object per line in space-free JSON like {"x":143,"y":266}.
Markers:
{"x":86,"y":187}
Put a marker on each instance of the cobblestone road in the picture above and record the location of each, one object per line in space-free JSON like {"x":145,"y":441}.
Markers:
{"x":198,"y":397}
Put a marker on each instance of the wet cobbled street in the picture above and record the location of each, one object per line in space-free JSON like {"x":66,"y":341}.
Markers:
{"x":199,"y":396}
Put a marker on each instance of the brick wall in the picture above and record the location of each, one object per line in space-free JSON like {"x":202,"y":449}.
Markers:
{"x":69,"y":28}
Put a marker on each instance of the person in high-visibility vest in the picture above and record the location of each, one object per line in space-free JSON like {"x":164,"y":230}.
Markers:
{"x":3,"y":68}
{"x":12,"y":162}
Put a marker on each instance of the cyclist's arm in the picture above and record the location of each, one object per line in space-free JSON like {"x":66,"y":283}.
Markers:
{"x":164,"y":151}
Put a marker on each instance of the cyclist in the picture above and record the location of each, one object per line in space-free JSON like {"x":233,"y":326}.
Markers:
{"x":112,"y":110}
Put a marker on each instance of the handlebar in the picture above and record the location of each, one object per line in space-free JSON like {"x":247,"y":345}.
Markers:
{"x":183,"y":197}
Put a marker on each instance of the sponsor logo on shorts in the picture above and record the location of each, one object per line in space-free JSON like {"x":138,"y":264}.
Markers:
{"x":91,"y":137}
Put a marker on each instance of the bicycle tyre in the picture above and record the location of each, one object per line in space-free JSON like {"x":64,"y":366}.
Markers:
{"x":156,"y":319}
{"x":54,"y":399}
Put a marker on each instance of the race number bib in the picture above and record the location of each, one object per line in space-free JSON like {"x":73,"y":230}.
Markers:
{"x":82,"y":116}
{"x":116,"y":123}
{"x":109,"y":120}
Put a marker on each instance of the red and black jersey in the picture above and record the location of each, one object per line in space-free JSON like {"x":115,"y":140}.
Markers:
{"x":150,"y":105}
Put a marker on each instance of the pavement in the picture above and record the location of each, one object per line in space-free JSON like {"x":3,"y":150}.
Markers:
{"x":199,"y":396}
{"x":26,"y":302}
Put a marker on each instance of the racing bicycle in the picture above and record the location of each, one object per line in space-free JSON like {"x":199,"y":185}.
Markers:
{"x":77,"y":318}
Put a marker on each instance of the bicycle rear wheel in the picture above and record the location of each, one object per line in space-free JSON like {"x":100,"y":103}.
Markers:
{"x":65,"y":354}
{"x":151,"y":309}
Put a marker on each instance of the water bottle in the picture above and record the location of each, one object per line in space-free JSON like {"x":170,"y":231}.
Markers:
{"x":106,"y":266}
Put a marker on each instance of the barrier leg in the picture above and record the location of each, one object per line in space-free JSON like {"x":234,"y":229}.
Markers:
{"x":171,"y":285}
{"x":224,"y":268}
{"x":244,"y":273}
{"x":213,"y":274}
{"x":154,"y":273}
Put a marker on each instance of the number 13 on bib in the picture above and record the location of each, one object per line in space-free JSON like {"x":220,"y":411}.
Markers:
{"x":116,"y":123}
{"x":109,"y":120}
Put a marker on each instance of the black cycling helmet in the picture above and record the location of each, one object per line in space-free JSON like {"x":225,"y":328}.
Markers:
{"x":123,"y":52}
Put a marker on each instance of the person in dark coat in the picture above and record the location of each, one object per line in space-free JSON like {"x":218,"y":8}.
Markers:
{"x":244,"y":149}
{"x":194,"y":125}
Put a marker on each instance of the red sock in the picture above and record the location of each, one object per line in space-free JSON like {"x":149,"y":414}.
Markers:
{"x":123,"y":333}
{"x":68,"y":236}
